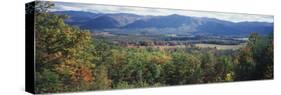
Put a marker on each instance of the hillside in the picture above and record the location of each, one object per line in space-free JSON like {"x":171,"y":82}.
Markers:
{"x":160,"y":25}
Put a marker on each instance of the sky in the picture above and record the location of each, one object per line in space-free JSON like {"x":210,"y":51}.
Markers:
{"x":96,"y":8}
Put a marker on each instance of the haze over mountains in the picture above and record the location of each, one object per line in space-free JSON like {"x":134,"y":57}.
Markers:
{"x":124,"y":23}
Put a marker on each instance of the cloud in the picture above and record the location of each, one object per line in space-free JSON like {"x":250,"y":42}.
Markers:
{"x":234,"y":17}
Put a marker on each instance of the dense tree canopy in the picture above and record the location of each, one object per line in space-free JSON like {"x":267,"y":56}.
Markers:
{"x":63,"y":55}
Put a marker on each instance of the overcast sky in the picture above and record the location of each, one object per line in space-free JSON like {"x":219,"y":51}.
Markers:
{"x":63,"y":6}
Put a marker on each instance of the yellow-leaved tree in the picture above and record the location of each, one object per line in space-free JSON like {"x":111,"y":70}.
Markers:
{"x":63,"y":53}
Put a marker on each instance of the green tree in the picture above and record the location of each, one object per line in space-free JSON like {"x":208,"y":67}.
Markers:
{"x":122,"y":85}
{"x":62,"y":52}
{"x":224,"y":69}
{"x":256,"y":59}
{"x":184,"y":69}
{"x":246,"y":67}
{"x":101,"y":80}
{"x":262,"y":49}
{"x":208,"y":62}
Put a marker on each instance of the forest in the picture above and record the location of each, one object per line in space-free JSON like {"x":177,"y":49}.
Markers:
{"x":71,"y":59}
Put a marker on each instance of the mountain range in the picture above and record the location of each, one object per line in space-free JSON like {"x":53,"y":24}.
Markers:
{"x":125,"y":23}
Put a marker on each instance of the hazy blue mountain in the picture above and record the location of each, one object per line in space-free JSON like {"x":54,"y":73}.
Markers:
{"x":77,"y":18}
{"x":203,"y":25}
{"x":170,"y":24}
{"x":171,"y":21}
{"x":124,"y":19}
{"x":98,"y":20}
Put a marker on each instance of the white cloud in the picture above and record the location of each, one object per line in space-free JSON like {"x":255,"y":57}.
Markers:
{"x":62,"y":6}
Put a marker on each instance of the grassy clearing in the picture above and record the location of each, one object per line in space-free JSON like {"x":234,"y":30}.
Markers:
{"x":220,"y":47}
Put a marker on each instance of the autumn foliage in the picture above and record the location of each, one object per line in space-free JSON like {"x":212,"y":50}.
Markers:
{"x":71,"y":59}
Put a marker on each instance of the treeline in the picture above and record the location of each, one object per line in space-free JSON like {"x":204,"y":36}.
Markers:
{"x":70,"y":59}
{"x":159,"y":42}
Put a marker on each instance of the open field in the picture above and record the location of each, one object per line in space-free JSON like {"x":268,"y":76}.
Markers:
{"x":160,"y":46}
{"x":199,"y":45}
{"x":221,"y":47}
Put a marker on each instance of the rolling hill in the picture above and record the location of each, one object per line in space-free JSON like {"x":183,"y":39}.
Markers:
{"x":170,"y":24}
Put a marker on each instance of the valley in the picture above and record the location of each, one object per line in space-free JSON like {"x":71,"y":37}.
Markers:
{"x":102,"y":47}
{"x":173,"y":41}
{"x":171,"y":31}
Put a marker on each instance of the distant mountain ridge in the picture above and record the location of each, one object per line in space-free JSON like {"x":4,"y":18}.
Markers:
{"x":177,"y":24}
